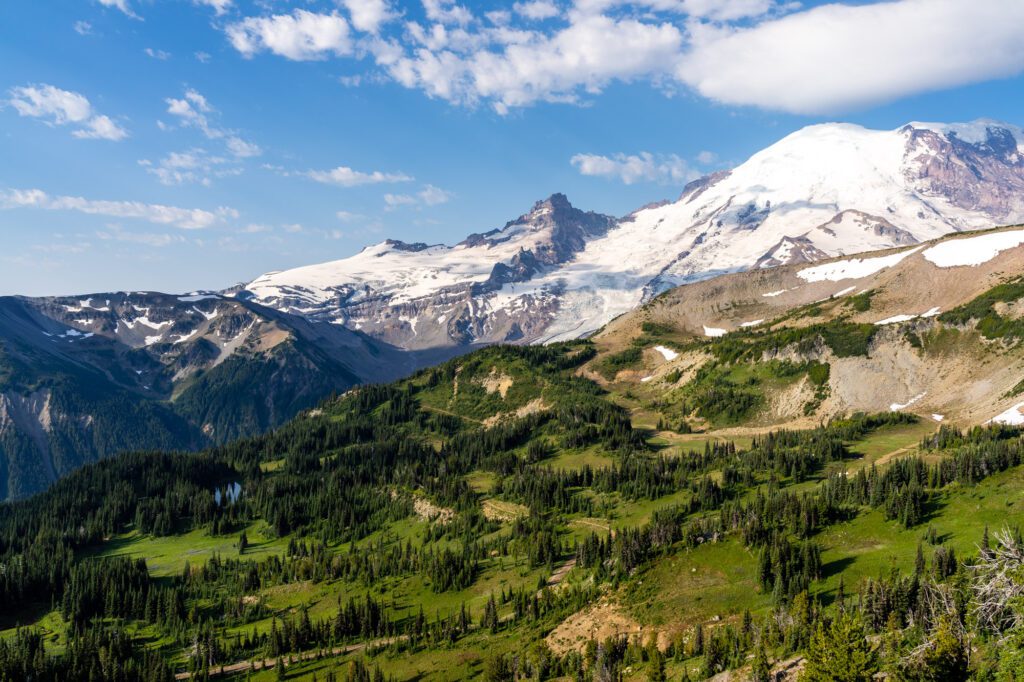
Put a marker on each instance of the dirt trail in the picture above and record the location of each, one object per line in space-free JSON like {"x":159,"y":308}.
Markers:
{"x":559,"y":575}
{"x":269,"y":663}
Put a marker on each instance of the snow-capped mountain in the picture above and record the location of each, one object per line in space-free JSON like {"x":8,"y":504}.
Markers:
{"x":558,"y":272}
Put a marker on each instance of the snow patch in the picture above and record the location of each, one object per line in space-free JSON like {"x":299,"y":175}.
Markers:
{"x":146,"y":322}
{"x":773,"y":294}
{"x":896,"y":318}
{"x":185,"y":337}
{"x":932,"y":312}
{"x":714,"y":331}
{"x":973,"y":250}
{"x":853,"y":268}
{"x":896,"y":407}
{"x":197,"y":297}
{"x":1012,"y":416}
{"x":938,"y":417}
{"x":667,"y":353}
{"x":752,"y":323}
{"x":844,"y":292}
{"x":646,"y":379}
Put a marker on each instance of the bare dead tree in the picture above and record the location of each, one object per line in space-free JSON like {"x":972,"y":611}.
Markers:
{"x":998,"y":585}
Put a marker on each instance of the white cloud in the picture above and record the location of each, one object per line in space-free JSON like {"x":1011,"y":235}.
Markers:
{"x":432,"y":196}
{"x":194,"y":110}
{"x":447,"y":12}
{"x":219,"y":6}
{"x":243,"y":149}
{"x":101,"y":128}
{"x":121,"y":5}
{"x":838,"y":57}
{"x":299,"y":36}
{"x":537,"y":9}
{"x":772,"y":54}
{"x":82,"y":28}
{"x":202,"y":57}
{"x":428,"y":196}
{"x":191,"y":166}
{"x":185,"y":218}
{"x":157,"y":54}
{"x":369,"y":15}
{"x":586,"y":55}
{"x":347,"y":177}
{"x":707,"y":158}
{"x":64,"y":107}
{"x":630,"y":169}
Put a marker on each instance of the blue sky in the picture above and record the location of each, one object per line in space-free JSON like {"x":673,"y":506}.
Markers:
{"x":182,"y":144}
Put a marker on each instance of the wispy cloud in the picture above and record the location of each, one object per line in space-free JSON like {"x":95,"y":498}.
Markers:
{"x":633,"y":168}
{"x":343,"y":176}
{"x":184,"y":218}
{"x":428,"y":196}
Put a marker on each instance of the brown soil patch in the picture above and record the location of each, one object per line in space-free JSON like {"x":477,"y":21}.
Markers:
{"x":599,"y":621}
{"x":496,"y":510}
{"x":497,"y":383}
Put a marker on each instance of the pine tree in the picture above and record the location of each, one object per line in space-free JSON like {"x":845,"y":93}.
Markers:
{"x":762,"y":670}
{"x":839,"y":652}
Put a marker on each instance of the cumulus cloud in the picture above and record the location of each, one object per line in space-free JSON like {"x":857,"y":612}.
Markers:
{"x":536,"y":9}
{"x":588,"y":54}
{"x":185,"y":218}
{"x":773,"y":54}
{"x":837,"y":57}
{"x":447,"y":12}
{"x":300,"y":36}
{"x":82,"y":28}
{"x":369,"y":15}
{"x":65,"y":108}
{"x":157,"y":54}
{"x":343,"y":176}
{"x":642,"y":167}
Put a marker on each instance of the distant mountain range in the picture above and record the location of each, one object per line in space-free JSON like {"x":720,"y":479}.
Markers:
{"x":88,"y":376}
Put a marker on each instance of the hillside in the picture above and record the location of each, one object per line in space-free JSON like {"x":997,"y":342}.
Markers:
{"x":543,"y":512}
{"x":88,"y":377}
{"x":931,"y":328}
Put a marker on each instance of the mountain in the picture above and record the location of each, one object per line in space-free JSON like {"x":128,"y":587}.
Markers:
{"x":557,"y":272}
{"x":934,"y":328}
{"x":86,"y":377}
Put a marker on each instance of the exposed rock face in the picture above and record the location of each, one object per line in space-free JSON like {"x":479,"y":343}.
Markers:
{"x":557,"y":272}
{"x":983,"y":171}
